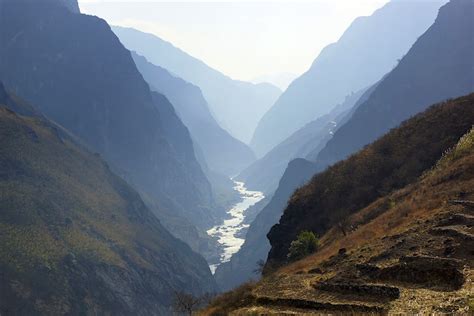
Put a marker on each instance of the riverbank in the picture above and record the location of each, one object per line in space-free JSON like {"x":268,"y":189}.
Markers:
{"x":228,"y":232}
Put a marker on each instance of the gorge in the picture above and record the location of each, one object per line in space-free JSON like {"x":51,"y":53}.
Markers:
{"x":140,"y":174}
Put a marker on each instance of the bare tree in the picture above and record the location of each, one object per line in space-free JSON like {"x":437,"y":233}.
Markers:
{"x":185,"y":303}
{"x":345,"y":226}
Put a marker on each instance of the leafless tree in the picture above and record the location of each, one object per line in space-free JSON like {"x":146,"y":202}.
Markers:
{"x":185,"y":303}
{"x":345,"y":226}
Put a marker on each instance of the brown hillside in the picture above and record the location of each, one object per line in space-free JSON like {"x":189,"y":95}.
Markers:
{"x":390,"y":163}
{"x":409,"y":252}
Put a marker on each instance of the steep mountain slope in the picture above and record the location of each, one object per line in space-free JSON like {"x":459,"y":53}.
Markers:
{"x":388,"y":164}
{"x":438,"y":66}
{"x":236,"y":105}
{"x":75,"y":238}
{"x":242,"y":265}
{"x":264,"y":174}
{"x":78,"y":74}
{"x":413,"y":257}
{"x":367,"y":50}
{"x":223,"y":153}
{"x":340,"y":121}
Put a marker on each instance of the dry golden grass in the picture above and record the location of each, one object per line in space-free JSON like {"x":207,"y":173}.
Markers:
{"x":390,"y":163}
{"x":404,"y":208}
{"x":229,"y":301}
{"x":413,"y":204}
{"x":406,"y":214}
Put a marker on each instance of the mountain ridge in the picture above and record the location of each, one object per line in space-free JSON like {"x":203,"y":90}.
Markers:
{"x":441,"y":57}
{"x":366,"y":51}
{"x":388,"y":164}
{"x":236,"y":105}
{"x":223,"y":153}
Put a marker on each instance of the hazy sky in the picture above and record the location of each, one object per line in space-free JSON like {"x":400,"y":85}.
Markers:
{"x":244,"y":39}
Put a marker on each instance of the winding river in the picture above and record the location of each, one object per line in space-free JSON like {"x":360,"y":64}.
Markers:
{"x":227,"y":231}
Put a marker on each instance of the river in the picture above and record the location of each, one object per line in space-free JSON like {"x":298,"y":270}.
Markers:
{"x":227,"y":231}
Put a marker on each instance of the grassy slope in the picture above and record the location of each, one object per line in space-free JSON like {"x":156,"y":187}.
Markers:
{"x":414,"y":223}
{"x":419,"y":224}
{"x":390,"y":163}
{"x":75,"y":237}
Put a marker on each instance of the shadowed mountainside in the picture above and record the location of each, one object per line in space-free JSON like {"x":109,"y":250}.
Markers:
{"x":76,"y":239}
{"x":75,"y":70}
{"x":223,"y":153}
{"x":439,"y":66}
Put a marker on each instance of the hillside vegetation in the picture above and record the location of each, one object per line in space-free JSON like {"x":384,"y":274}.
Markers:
{"x":439,"y":66}
{"x":409,"y":251}
{"x":390,"y":163}
{"x":75,"y":238}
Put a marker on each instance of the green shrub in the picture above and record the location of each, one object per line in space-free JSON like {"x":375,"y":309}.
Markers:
{"x":306,"y":244}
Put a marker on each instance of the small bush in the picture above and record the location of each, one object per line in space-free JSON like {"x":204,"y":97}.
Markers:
{"x":306,"y":244}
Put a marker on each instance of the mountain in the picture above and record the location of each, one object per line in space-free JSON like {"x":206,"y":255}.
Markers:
{"x":409,"y":252}
{"x":76,"y":238}
{"x":222,"y":152}
{"x":236,"y":105}
{"x":366,"y":51}
{"x":438,"y":66}
{"x":76,"y":71}
{"x":242,"y":265}
{"x":265,"y":173}
{"x":392,"y":162}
